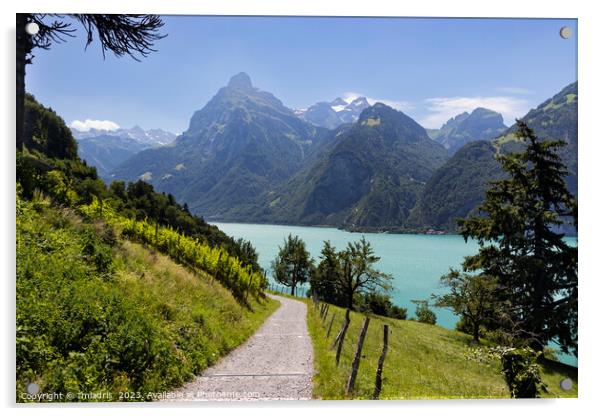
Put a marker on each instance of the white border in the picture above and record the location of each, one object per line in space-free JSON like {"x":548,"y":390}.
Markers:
{"x":590,"y":154}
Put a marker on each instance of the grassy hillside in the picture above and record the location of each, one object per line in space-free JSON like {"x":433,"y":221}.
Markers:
{"x":423,"y":361}
{"x":97,"y":313}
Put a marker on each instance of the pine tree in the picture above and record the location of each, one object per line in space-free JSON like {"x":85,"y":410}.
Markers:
{"x":521,"y":244}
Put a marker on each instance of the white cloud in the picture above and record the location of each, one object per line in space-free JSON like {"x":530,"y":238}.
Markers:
{"x":88,"y":124}
{"x":441,"y":109}
{"x":396,"y":104}
{"x":515,"y":90}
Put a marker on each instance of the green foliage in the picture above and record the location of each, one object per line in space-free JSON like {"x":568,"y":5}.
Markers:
{"x":73,"y":183}
{"x":457,"y":188}
{"x":424,"y":314}
{"x":50,"y":164}
{"x":423,"y":362}
{"x":325,"y":278}
{"x":197,"y":255}
{"x":380,"y":304}
{"x":292,"y":265}
{"x":326,"y":285}
{"x":521,"y":371}
{"x":520,"y":247}
{"x":345,"y":274}
{"x":98,"y":314}
{"x":46,"y":132}
{"x":472,"y":297}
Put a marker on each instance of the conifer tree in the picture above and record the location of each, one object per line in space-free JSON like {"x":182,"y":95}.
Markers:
{"x":523,"y":247}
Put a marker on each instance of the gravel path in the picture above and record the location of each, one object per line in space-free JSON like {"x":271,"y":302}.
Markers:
{"x":276,"y":363}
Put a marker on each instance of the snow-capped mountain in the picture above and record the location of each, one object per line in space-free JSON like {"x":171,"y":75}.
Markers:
{"x":106,"y":149}
{"x":151,"y":138}
{"x":334,"y":113}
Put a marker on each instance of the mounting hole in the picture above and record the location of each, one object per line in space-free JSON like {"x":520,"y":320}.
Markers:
{"x":566,"y":32}
{"x":33,"y":388}
{"x":32,"y":28}
{"x":566,"y":384}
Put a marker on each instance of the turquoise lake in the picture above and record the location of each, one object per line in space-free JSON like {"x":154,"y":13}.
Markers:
{"x":416,"y":261}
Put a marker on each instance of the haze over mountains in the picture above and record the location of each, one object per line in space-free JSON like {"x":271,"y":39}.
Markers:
{"x":480,"y":124}
{"x":151,"y":137}
{"x":246,"y":157}
{"x":107,"y":149}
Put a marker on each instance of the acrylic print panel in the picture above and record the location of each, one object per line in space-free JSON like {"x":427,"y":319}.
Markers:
{"x":307,"y":208}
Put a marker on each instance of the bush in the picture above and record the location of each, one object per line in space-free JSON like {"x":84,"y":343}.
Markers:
{"x":520,"y":369}
{"x":423,"y":313}
{"x":380,"y":304}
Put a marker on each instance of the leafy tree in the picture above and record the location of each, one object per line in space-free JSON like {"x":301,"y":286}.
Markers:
{"x":519,"y":246}
{"x":324,"y":281}
{"x":358,"y":273}
{"x":471,"y":297}
{"x":292,"y":265}
{"x":122,"y":34}
{"x":423,"y":313}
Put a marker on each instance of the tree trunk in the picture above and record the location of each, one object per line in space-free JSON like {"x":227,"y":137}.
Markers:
{"x":475,"y":333}
{"x":292,"y":290}
{"x":21,"y":61}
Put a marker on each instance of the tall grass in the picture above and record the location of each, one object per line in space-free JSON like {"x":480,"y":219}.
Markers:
{"x":96,"y":314}
{"x":423,"y":362}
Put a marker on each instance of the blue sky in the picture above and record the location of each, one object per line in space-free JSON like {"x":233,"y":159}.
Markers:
{"x":431,"y":69}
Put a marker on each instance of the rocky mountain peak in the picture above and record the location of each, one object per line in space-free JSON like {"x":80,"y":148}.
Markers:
{"x":240,"y":81}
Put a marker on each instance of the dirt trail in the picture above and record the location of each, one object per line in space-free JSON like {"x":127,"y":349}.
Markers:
{"x":276,"y":363}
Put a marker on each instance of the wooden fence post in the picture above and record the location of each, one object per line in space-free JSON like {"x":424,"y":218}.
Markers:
{"x":358,"y":356}
{"x":341,"y":337}
{"x":379,"y":371}
{"x":325,"y":312}
{"x":330,"y":325}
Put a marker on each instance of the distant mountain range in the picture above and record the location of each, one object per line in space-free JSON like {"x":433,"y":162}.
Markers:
{"x":107,"y":149}
{"x":458,"y":187}
{"x":246,"y":157}
{"x":243,"y":142}
{"x":333,"y":114}
{"x":480,"y":124}
{"x":152,"y":137}
{"x":370,"y":176}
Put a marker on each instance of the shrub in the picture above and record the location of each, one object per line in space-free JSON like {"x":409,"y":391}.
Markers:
{"x":520,"y":368}
{"x":380,"y":304}
{"x":423,"y":313}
